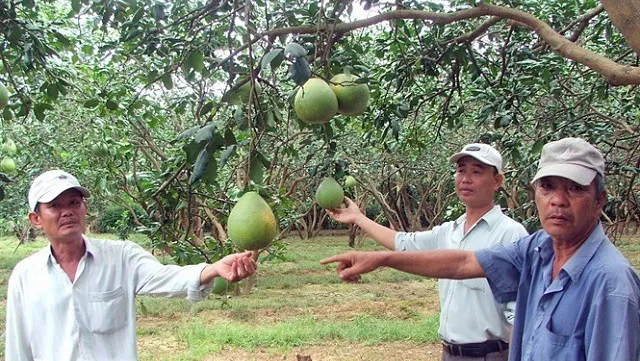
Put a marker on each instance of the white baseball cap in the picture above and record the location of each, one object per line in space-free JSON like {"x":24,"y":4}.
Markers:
{"x":571,"y":158}
{"x":482,"y":152}
{"x":49,"y":185}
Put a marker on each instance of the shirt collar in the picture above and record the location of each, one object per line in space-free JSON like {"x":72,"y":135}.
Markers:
{"x":491,"y":217}
{"x":47,"y":254}
{"x":579,"y":260}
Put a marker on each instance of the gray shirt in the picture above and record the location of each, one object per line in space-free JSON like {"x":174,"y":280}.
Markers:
{"x":469,"y":313}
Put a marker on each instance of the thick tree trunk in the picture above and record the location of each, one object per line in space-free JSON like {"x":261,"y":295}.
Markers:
{"x":625,"y":15}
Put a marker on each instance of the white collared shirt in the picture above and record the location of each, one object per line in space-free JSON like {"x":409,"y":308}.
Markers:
{"x":94,"y":317}
{"x":469,"y":313}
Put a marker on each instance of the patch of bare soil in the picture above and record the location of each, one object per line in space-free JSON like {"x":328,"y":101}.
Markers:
{"x":158,"y":346}
{"x":390,"y":351}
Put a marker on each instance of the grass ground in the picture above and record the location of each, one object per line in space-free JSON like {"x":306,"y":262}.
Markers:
{"x":297,"y":310}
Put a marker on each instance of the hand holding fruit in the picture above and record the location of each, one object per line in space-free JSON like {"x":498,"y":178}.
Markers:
{"x":348,"y":215}
{"x":233,"y":267}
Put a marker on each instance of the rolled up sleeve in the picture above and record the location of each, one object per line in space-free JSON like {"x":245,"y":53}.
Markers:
{"x":502,"y":267}
{"x":418,"y":241}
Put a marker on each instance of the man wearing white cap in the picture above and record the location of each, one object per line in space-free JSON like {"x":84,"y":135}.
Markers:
{"x":577,"y":297}
{"x":473,"y":326}
{"x":75,"y":299}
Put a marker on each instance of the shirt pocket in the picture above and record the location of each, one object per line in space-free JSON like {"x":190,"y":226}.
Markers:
{"x":475,"y":284}
{"x":554,"y":346}
{"x":106,"y":311}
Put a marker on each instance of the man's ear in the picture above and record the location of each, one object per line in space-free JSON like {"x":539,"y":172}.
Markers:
{"x":601,"y":200}
{"x":499,"y":178}
{"x":35,"y":219}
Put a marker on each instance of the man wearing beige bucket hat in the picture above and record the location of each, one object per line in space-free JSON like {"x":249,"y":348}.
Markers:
{"x":577,"y":297}
{"x":75,"y":298}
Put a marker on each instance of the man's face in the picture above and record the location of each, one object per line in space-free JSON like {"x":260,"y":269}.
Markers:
{"x":63,"y":218}
{"x":567,"y":210}
{"x":476,"y":182}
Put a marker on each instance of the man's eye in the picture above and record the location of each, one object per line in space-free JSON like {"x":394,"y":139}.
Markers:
{"x":576,"y":189}
{"x":545,"y":185}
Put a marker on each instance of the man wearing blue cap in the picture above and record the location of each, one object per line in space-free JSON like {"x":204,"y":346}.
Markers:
{"x":75,"y":299}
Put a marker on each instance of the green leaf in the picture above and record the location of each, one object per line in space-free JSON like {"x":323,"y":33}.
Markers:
{"x":211,"y":173}
{"x":91,"y":103}
{"x":192,"y":150}
{"x":229,"y":137}
{"x":300,"y":71}
{"x":205,"y":133}
{"x":206,"y":108}
{"x":199,"y":168}
{"x":195,"y":60}
{"x":7,"y":114}
{"x":273,"y":58}
{"x":152,"y":76}
{"x":503,"y":121}
{"x":241,"y":120}
{"x":138,"y":15}
{"x":38,"y":110}
{"x":112,"y":105}
{"x":256,"y":172}
{"x":188,"y":133}
{"x":158,"y":12}
{"x":537,"y":146}
{"x":295,"y":50}
{"x":167,"y":81}
{"x":52,"y":91}
{"x":132,"y":35}
{"x":62,"y":39}
{"x":76,"y":5}
{"x":265,"y":162}
{"x":328,"y":131}
{"x":226,"y":154}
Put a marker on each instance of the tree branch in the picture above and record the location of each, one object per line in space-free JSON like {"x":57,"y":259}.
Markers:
{"x":614,"y":73}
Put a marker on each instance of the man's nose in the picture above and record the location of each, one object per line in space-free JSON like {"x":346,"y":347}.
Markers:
{"x":559,"y":197}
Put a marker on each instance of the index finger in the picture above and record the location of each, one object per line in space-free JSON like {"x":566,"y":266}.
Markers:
{"x":332,"y":259}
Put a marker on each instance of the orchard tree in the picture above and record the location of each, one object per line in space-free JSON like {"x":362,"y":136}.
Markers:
{"x":181,"y":106}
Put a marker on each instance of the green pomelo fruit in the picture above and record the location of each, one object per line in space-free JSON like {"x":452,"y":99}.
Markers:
{"x":243,"y":93}
{"x":9,"y":147}
{"x":251,"y":223}
{"x":7,"y":114}
{"x":4,"y":96}
{"x":352,"y":97}
{"x":315,"y":102}
{"x":350,"y":182}
{"x":7,"y":165}
{"x":329,"y":194}
{"x":221,"y":286}
{"x":100,"y":150}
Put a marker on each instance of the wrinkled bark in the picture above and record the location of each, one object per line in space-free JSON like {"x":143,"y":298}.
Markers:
{"x":625,"y":15}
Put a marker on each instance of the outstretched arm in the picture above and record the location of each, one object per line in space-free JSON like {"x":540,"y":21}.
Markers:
{"x":352,"y":215}
{"x":452,"y":264}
